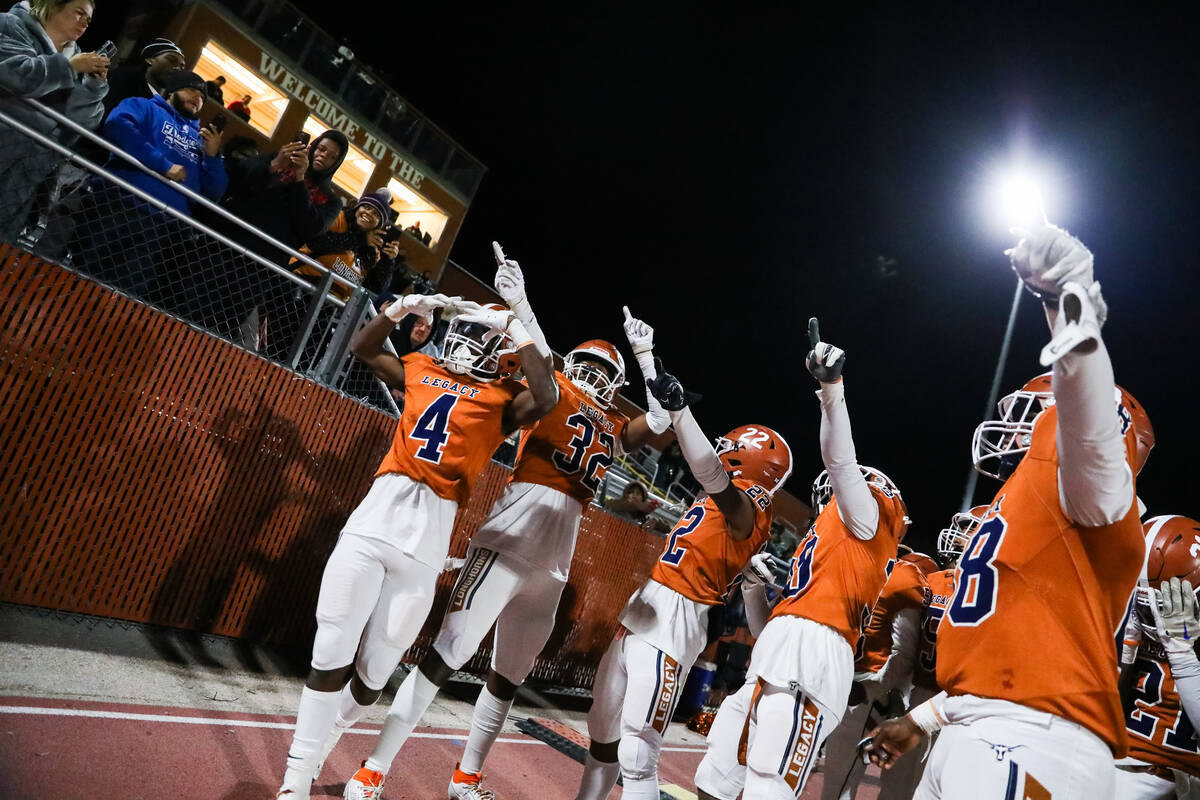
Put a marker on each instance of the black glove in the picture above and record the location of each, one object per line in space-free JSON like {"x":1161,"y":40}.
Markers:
{"x":824,"y":361}
{"x":668,"y":391}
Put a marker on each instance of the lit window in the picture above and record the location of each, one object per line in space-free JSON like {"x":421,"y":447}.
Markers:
{"x":266,"y":103}
{"x":355,"y":171}
{"x":415,"y":213}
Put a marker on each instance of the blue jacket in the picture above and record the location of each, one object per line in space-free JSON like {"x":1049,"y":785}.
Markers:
{"x":157,"y":135}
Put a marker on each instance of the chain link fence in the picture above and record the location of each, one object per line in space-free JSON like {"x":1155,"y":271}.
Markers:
{"x":60,"y":205}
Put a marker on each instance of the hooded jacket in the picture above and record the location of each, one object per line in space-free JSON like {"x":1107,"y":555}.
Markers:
{"x":157,"y":135}
{"x":30,"y":66}
{"x":289,"y":209}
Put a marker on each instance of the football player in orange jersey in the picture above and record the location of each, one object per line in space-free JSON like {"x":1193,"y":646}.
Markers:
{"x":802,"y":665}
{"x":883,"y":673}
{"x":664,"y":624}
{"x":1026,"y":648}
{"x":519,"y":559}
{"x":379,"y":581}
{"x":1161,"y":673}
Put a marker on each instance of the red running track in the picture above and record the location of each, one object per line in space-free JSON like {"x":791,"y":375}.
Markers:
{"x":79,"y":750}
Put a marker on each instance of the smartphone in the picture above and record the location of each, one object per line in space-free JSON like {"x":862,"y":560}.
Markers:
{"x":108,"y":49}
{"x":303,"y":137}
{"x":218,"y":123}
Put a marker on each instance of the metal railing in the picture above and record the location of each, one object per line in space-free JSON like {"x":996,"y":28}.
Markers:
{"x":84,"y":217}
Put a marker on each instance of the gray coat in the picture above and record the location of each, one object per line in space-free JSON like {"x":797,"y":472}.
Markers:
{"x":31,"y":67}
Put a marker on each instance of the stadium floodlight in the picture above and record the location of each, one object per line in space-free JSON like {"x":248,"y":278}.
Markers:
{"x":1014,"y":200}
{"x":1019,"y":200}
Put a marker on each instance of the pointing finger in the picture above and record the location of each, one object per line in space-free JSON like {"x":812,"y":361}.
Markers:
{"x":814,"y":333}
{"x":498,"y":251}
{"x":628,"y":316}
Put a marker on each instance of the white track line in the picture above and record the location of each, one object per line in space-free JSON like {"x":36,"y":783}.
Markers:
{"x":242,"y":723}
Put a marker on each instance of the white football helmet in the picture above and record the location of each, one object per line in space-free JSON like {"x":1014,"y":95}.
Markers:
{"x":471,"y":348}
{"x":597,"y":368}
{"x":952,"y":541}
{"x":1000,"y":444}
{"x":822,"y":489}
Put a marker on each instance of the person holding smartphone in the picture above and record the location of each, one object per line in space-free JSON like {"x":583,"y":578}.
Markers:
{"x":39,"y":58}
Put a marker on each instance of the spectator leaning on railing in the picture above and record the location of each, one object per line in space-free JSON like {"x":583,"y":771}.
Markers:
{"x":164,"y":134}
{"x":289,"y":196}
{"x":39,"y":59}
{"x":354,"y":246}
{"x":129,"y":242}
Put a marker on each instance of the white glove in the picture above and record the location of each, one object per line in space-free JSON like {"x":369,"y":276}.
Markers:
{"x":510,"y":281}
{"x":1176,"y":621}
{"x":757,"y":571}
{"x":1132,"y":637}
{"x":510,"y":285}
{"x":498,"y":323}
{"x":641,"y":340}
{"x":423,"y":305}
{"x":1081,"y":312}
{"x":640,"y":336}
{"x":1048,"y":257}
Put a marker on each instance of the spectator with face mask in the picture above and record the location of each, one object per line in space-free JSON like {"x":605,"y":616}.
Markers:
{"x":147,"y":78}
{"x":39,"y":59}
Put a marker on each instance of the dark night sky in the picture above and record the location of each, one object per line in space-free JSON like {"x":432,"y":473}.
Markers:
{"x":729,"y":174}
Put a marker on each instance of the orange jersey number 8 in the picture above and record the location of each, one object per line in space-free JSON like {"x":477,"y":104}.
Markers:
{"x":675,"y":549}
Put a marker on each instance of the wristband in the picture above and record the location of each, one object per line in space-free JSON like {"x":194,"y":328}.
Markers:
{"x":927,"y":718}
{"x":519,"y":335}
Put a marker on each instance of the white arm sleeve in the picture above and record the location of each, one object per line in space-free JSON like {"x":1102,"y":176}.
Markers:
{"x":896,"y":673}
{"x":758,"y":610}
{"x":699,"y":454}
{"x":1095,"y":484}
{"x":524,"y":312}
{"x":856,"y":504}
{"x":1185,"y":668}
{"x":657,"y":418}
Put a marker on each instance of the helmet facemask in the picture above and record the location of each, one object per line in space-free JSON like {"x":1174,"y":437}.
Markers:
{"x":952,"y":541}
{"x":822,"y":488}
{"x":595,"y":377}
{"x":471,"y":348}
{"x":999,"y":445}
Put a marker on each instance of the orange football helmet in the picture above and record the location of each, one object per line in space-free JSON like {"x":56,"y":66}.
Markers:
{"x":924,"y":563}
{"x":1172,"y":551}
{"x":952,"y":541}
{"x":471,"y":348}
{"x":999,"y":445}
{"x":757,"y":453}
{"x":597,"y":368}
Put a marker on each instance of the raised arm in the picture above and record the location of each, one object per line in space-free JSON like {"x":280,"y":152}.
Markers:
{"x":641,"y":430}
{"x":1094,"y":477}
{"x":510,"y":285}
{"x":367,"y":344}
{"x":856,"y":505}
{"x":702,"y":459}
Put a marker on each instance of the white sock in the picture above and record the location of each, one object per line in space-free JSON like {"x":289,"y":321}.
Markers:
{"x":412,"y":699}
{"x":599,"y":778}
{"x":314,"y":719}
{"x":486,"y":722}
{"x":639,"y":789}
{"x":349,"y":709}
